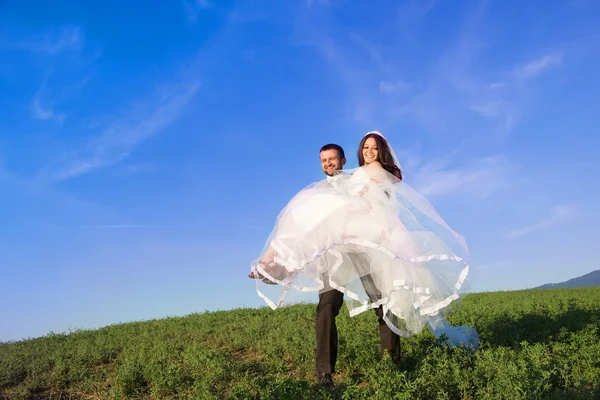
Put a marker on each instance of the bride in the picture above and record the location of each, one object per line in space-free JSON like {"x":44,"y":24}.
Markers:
{"x":367,"y":234}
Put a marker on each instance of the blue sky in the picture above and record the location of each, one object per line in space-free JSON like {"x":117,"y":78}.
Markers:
{"x":146,"y":148}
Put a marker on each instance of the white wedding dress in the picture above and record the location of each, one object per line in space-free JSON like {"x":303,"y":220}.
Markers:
{"x":372,"y":237}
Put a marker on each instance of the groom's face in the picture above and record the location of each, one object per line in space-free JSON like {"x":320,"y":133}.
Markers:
{"x":331,"y":161}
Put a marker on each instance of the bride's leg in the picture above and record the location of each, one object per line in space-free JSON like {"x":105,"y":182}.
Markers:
{"x":269,"y":257}
{"x":266,"y":262}
{"x":270,"y":266}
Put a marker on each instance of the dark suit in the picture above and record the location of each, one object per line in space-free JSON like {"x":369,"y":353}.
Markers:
{"x":330,"y":303}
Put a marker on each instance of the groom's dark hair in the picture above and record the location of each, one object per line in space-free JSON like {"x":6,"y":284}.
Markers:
{"x":333,"y":146}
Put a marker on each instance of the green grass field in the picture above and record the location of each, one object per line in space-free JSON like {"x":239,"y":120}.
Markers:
{"x":534,"y":344}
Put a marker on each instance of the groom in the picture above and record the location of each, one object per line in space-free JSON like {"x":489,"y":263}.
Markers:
{"x":330,"y":301}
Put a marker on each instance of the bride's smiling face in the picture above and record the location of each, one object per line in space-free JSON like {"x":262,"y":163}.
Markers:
{"x":370,"y":151}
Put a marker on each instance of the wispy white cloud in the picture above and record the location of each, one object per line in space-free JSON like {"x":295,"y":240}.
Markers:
{"x":193,"y":7}
{"x":488,"y":109}
{"x":534,"y":67}
{"x":393,"y":86}
{"x":453,"y":86}
{"x":559,"y":214}
{"x":51,"y":42}
{"x":44,"y":103}
{"x":44,"y":113}
{"x":367,"y":69}
{"x":64,"y":75}
{"x":120,"y":138}
{"x":478,"y":178}
{"x":504,"y":112}
{"x":458,"y":84}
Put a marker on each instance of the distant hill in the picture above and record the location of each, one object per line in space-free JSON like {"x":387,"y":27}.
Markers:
{"x":591,"y":279}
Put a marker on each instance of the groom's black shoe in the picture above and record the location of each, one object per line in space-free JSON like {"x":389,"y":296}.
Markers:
{"x":325,"y":380}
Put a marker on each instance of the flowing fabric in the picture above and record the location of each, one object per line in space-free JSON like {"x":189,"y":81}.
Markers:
{"x":369,"y":235}
{"x":457,"y":336}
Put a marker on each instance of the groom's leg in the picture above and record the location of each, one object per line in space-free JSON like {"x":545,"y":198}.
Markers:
{"x":330,"y":303}
{"x":388,"y":340}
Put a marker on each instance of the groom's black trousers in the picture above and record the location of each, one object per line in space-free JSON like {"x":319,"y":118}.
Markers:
{"x":330,"y":303}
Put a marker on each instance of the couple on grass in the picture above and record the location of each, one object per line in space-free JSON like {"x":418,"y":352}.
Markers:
{"x":364,"y":235}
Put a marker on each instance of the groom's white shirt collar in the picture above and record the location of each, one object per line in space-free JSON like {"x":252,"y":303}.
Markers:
{"x":333,"y":179}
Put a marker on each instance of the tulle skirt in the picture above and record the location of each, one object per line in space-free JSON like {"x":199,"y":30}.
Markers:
{"x":367,"y":234}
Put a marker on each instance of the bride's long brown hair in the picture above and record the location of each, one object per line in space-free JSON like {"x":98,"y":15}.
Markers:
{"x":385,"y":156}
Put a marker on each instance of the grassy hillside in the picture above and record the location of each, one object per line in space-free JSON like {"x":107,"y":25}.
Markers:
{"x":534,"y":344}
